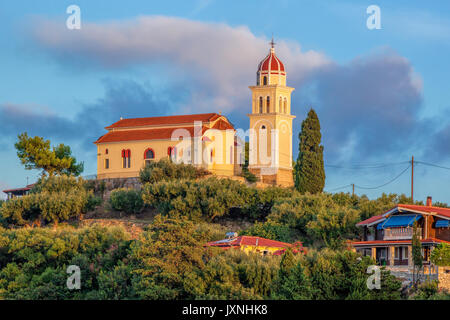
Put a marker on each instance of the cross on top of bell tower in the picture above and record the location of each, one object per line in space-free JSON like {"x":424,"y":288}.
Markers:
{"x":272,"y":43}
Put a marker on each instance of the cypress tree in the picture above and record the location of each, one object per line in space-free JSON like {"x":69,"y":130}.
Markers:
{"x":309,"y":172}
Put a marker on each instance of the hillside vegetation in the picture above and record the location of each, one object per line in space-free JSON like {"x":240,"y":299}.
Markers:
{"x":168,"y":261}
{"x":166,"y":258}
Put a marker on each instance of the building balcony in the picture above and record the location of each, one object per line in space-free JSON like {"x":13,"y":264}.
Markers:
{"x":400,"y":233}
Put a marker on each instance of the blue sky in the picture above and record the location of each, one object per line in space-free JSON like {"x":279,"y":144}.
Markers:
{"x":381,"y":95}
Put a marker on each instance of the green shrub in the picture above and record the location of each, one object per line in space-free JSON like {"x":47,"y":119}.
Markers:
{"x":211,"y":198}
{"x":441,"y":255}
{"x":63,"y":183}
{"x":339,"y":275}
{"x":165,"y":169}
{"x":53,"y":199}
{"x":34,"y":261}
{"x":3,"y":221}
{"x":426,"y":290}
{"x":207,"y":199}
{"x":167,"y":253}
{"x":92,"y":202}
{"x":126,"y":200}
{"x":259,"y":202}
{"x":316,"y":217}
{"x":46,"y":206}
{"x":249,"y":177}
{"x":273,"y":231}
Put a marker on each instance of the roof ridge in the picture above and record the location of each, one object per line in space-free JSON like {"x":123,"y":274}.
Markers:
{"x":158,"y":120}
{"x":175,"y":115}
{"x":421,"y":205}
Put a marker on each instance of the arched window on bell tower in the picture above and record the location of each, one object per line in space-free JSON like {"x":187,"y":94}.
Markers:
{"x":260,"y":104}
{"x":268,"y":104}
{"x":285,"y":105}
{"x":280,"y":105}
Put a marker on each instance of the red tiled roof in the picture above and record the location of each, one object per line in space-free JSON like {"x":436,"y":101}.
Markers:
{"x":27,"y":188}
{"x":157,"y":133}
{"x":166,"y":120}
{"x":248,"y":241}
{"x":222,"y":125}
{"x":146,"y":134}
{"x":426,"y":209}
{"x":370,"y":220}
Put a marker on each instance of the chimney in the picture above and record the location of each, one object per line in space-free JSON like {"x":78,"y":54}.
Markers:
{"x":429,"y":202}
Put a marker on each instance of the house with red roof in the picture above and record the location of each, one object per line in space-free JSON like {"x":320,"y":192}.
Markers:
{"x":18,"y":192}
{"x":387,"y":237}
{"x":256,"y":245}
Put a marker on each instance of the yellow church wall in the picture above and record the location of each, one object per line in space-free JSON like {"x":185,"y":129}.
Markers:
{"x":277,"y":79}
{"x":284,"y":125}
{"x":273,"y":79}
{"x":274,"y":92}
{"x":259,"y":249}
{"x":160,"y":148}
{"x":224,"y":159}
{"x":137,"y":149}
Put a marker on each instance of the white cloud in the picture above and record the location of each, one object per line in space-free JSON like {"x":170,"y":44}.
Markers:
{"x":221,"y":58}
{"x":368,"y":105}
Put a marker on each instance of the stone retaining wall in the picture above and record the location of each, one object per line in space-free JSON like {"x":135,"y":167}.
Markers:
{"x":444,"y":278}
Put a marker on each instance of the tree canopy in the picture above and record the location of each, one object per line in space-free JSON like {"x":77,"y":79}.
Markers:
{"x":441,"y":255}
{"x":36,"y":153}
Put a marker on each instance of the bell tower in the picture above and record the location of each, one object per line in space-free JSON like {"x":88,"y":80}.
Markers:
{"x":271,"y":123}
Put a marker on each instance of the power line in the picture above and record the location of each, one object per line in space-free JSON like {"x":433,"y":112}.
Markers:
{"x":385,"y":184}
{"x":382,"y":165}
{"x":366,"y":166}
{"x":338,"y":188}
{"x":433,"y":165}
{"x":371,"y":188}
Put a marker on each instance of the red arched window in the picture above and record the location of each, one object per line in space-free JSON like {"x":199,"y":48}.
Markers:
{"x":172,"y":153}
{"x":126,"y":158}
{"x":149,"y":155}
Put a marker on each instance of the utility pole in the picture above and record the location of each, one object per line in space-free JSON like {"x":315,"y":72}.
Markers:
{"x":412,"y":179}
{"x":353,"y":189}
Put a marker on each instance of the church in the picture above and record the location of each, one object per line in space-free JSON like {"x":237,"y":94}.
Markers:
{"x":210,"y":140}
